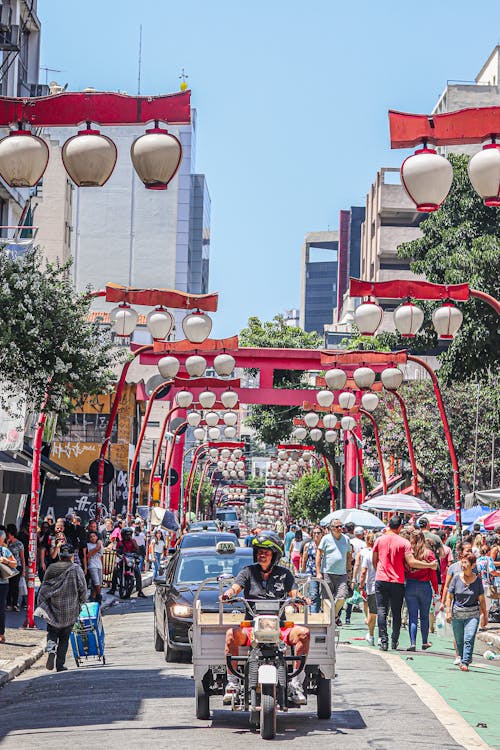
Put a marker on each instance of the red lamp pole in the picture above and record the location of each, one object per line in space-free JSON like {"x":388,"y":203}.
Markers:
{"x":359,"y":457}
{"x":168,"y":461}
{"x":192,"y":470}
{"x":411,"y":453}
{"x":158,"y":450}
{"x":379,"y":449}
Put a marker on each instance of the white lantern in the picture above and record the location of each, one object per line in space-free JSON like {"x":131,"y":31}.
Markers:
{"x":225,"y":474}
{"x":346,"y":400}
{"x":369,"y":401}
{"x":159,"y":323}
{"x":196,"y":365}
{"x":274,"y":465}
{"x":214,"y":453}
{"x":156,"y":157}
{"x":316,"y":435}
{"x":447,"y":319}
{"x":311,"y":419}
{"x":391,"y":377}
{"x":282,"y":455}
{"x":211,"y":418}
{"x":330,"y":436}
{"x":241,"y":474}
{"x":230,"y":418}
{"x":324,"y":398}
{"x":168,"y":367}
{"x":368,"y":316}
{"x":300,"y":433}
{"x":229,"y":399}
{"x":408,"y":319}
{"x":230,"y":432}
{"x":230,"y":464}
{"x":225,"y":453}
{"x":335,"y":379}
{"x":233,"y":474}
{"x":193,"y":418}
{"x":123,"y":319}
{"x":89,"y":158}
{"x":364,"y":377}
{"x":213,"y":433}
{"x":301,"y":462}
{"x":199,"y":434}
{"x":329,"y":421}
{"x":306,"y":456}
{"x":23,"y":158}
{"x":427,"y":179}
{"x":207,"y":399}
{"x":484,"y":174}
{"x":221,"y":465}
{"x":197,"y":327}
{"x":237,"y":453}
{"x":184,"y":399}
{"x":224,"y":364}
{"x":348,"y":423}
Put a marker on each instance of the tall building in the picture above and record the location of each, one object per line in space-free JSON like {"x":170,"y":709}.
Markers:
{"x":318,"y":292}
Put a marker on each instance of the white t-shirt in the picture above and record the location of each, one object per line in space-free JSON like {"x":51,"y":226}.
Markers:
{"x":96,"y":560}
{"x":159,"y":546}
{"x":366,"y":563}
{"x":356,"y":544}
{"x":140,"y":539}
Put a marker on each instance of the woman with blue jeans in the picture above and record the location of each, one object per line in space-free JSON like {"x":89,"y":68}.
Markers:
{"x":8,"y":559}
{"x":465,"y":604}
{"x":418,"y":591}
{"x":308,"y":565}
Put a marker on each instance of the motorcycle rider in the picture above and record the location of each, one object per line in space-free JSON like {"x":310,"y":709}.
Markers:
{"x":127,"y":546}
{"x":265,"y":579}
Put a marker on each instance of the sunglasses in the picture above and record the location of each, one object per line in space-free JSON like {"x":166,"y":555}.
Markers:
{"x":336,"y":527}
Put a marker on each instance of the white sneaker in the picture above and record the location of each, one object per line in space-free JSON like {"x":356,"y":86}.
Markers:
{"x":457,"y":660}
{"x":232,"y":689}
{"x":370,"y":639}
{"x":296,"y":694}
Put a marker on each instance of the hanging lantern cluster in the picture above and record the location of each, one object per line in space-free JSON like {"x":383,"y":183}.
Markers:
{"x":231,"y":464}
{"x":408,"y":319}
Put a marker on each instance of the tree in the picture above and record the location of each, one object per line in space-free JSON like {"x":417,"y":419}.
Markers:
{"x":206,"y":493}
{"x":461,"y":243}
{"x":310,"y":496}
{"x":47,"y":346}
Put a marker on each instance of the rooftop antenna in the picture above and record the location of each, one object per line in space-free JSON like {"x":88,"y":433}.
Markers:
{"x":49,"y":70}
{"x":139,"y":62}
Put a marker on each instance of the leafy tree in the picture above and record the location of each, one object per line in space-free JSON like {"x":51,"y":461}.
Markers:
{"x":47,"y":346}
{"x":205,"y":495}
{"x":461,"y":243}
{"x":310,"y":496}
{"x":362,"y":342}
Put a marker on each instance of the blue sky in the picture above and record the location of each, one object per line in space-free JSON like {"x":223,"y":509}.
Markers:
{"x":292,"y":103}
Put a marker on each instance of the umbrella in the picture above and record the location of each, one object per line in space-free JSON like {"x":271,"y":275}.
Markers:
{"x":468,"y":516}
{"x":398,"y":502}
{"x":355,"y":516}
{"x":436,"y":520}
{"x":492,"y":520}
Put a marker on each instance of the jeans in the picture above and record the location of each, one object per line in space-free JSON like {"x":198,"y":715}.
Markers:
{"x":465,"y":635}
{"x":418,"y":595}
{"x":315,"y":596}
{"x":157,"y":563}
{"x":389,"y":595}
{"x":57,"y":643}
{"x":4,"y":588}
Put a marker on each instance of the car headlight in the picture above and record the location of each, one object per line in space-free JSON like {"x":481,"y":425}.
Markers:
{"x":181,"y":610}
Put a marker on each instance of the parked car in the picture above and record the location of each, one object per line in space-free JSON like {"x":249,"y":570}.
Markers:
{"x":229,"y":518}
{"x":203,"y":526}
{"x":206,"y":539}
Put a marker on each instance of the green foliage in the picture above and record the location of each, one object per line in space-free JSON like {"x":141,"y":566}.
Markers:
{"x":461,"y":243}
{"x":310,"y":496}
{"x":205,"y":495}
{"x":46,"y":343}
{"x":360,"y":342}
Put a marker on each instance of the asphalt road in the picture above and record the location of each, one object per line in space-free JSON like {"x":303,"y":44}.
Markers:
{"x":139,"y":701}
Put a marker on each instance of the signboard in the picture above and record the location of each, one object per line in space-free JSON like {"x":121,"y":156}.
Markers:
{"x":355,"y":485}
{"x":12,"y":417}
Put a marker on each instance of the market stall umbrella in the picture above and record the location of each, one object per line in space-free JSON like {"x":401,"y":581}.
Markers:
{"x":492,"y":520}
{"x":437,"y":518}
{"x":355,"y":516}
{"x":399,"y":502}
{"x":468,"y":516}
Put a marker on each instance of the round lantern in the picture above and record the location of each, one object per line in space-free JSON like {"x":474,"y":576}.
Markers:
{"x":229,"y":399}
{"x":89,"y":158}
{"x":159,"y":323}
{"x":427,"y":179}
{"x":282,"y":455}
{"x":311,"y":419}
{"x":241,"y":474}
{"x":316,"y":435}
{"x":199,"y":434}
{"x":306,"y":456}
{"x":225,"y":453}
{"x":233,"y":474}
{"x":211,"y":418}
{"x":230,"y":432}
{"x":214,"y":453}
{"x":324,"y":398}
{"x":123,"y":319}
{"x":225,"y":474}
{"x":240,"y":465}
{"x":369,"y":401}
{"x":196,"y":365}
{"x":156,"y":157}
{"x":368,"y":316}
{"x":230,"y":464}
{"x":193,"y":418}
{"x":213,"y":433}
{"x":335,"y":379}
{"x":364,"y":377}
{"x":207,"y":399}
{"x":237,"y":453}
{"x":197,"y":327}
{"x":447,"y":319}
{"x":23,"y":158}
{"x":300,"y":433}
{"x":230,"y":418}
{"x":391,"y":377}
{"x":184,"y":399}
{"x":224,"y":364}
{"x":168,"y":367}
{"x":346,"y":400}
{"x":408,"y":319}
{"x":348,"y":423}
{"x":329,"y":421}
{"x":484,"y":174}
{"x":330,"y":436}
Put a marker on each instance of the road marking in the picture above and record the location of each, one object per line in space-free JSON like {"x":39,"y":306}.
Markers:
{"x":452,"y":721}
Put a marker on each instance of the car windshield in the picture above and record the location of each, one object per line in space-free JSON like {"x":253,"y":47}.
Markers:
{"x":227,"y":515}
{"x":196,"y":569}
{"x":206,"y":540}
{"x":209,"y":526}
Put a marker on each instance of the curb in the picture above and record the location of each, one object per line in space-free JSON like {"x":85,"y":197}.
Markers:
{"x":22,"y":663}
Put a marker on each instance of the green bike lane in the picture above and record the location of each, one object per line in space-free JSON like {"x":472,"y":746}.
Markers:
{"x":474,"y":694}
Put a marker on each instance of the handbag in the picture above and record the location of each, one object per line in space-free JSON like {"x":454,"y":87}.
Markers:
{"x":7,"y":572}
{"x":23,"y":588}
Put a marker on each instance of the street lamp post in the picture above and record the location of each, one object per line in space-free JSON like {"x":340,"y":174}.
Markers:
{"x":379,"y":449}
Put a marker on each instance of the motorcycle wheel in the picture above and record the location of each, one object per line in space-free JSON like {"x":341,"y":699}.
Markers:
{"x":202,"y":701}
{"x":129,"y":587}
{"x":324,"y":698}
{"x":268,"y":712}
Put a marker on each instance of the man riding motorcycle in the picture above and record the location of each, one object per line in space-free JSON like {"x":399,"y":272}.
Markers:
{"x":127,"y":546}
{"x":265,"y":579}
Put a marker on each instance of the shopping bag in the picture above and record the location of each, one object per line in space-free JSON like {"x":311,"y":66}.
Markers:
{"x":23,"y":588}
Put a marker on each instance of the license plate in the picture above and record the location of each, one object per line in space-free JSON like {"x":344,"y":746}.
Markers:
{"x":218,"y":668}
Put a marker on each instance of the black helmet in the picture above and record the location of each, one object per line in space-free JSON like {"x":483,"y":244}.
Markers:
{"x":268,"y":540}
{"x":127,"y":531}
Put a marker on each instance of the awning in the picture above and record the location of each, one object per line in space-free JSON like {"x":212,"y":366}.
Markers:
{"x":393,"y":483}
{"x":15,"y":479}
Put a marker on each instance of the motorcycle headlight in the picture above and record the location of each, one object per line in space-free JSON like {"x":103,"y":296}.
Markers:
{"x":181,"y":610}
{"x":266,"y":629}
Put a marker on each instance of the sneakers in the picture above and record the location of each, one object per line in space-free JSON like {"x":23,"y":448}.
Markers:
{"x":232,"y":689}
{"x":370,"y":639}
{"x":296,"y":694}
{"x":51,"y":658}
{"x":394,"y":645}
{"x":412,"y":647}
{"x":383,"y":646}
{"x":347,"y":621}
{"x":338,"y":621}
{"x":62,"y":669}
{"x":457,"y":660}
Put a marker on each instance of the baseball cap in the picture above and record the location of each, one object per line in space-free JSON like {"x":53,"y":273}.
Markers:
{"x":359,"y":530}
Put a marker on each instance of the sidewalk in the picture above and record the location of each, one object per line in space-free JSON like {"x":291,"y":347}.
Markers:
{"x":471,"y":694}
{"x":22,"y":647}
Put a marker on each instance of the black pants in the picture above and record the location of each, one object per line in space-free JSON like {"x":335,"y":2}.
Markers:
{"x":4,"y":588}
{"x":13,"y":593}
{"x":57,"y":642}
{"x":389,"y":595}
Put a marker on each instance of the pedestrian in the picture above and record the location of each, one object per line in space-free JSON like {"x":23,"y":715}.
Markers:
{"x":357,"y":544}
{"x":308,"y":565}
{"x":488,"y":573}
{"x":289,"y":536}
{"x":296,"y":549}
{"x":367,"y":586}
{"x":6,"y":558}
{"x":94,"y":565}
{"x":17,"y":549}
{"x":447,"y":558}
{"x":333,"y":562}
{"x":465,"y":604}
{"x":158,"y":544}
{"x":390,"y":552}
{"x":418,"y":591}
{"x":106,"y":531}
{"x":139,"y":538}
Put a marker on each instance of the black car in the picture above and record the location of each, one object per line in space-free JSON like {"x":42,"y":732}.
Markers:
{"x":206,"y":539}
{"x":175,"y":591}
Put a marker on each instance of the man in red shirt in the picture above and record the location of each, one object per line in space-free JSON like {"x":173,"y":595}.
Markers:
{"x":390,"y":552}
